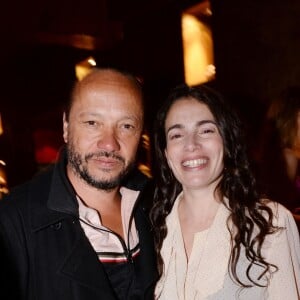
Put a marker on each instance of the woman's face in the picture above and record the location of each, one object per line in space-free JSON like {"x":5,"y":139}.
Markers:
{"x":194,"y":147}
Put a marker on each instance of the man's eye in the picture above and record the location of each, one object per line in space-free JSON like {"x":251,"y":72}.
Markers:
{"x":128,"y":126}
{"x":91,"y":122}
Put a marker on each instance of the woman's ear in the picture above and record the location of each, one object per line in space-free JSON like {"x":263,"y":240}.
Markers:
{"x":65,"y":128}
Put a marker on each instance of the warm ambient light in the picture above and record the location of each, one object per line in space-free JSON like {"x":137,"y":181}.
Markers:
{"x":92,"y":61}
{"x":1,"y":127}
{"x":144,"y":163}
{"x":84,"y":67}
{"x":197,"y":50}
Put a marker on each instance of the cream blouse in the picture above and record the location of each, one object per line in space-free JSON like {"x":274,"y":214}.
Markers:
{"x":206,"y":276}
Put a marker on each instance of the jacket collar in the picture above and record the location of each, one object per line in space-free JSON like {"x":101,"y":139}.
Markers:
{"x":55,"y":201}
{"x":60,"y":195}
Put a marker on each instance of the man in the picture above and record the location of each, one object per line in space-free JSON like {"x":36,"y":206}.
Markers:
{"x":77,"y":231}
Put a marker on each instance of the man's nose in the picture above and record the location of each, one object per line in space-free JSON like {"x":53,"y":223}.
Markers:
{"x":108,"y":141}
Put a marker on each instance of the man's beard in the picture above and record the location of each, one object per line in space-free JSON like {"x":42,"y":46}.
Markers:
{"x":77,"y":163}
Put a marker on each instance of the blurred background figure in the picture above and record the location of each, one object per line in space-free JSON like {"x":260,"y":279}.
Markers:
{"x":279,"y":157}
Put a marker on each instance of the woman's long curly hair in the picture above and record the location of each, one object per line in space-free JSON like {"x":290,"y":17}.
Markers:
{"x":237,"y":184}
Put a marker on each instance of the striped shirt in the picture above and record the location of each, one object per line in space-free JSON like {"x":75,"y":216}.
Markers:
{"x":115,"y":253}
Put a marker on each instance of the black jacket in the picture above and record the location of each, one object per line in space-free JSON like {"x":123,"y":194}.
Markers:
{"x":44,"y":253}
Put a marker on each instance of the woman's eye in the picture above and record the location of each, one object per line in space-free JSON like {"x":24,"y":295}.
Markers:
{"x":175,"y":136}
{"x":208,"y":130}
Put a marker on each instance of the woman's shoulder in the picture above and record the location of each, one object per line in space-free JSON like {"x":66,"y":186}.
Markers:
{"x":281,"y":215}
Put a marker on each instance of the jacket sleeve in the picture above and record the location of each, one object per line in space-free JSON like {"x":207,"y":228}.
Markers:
{"x":13,"y":262}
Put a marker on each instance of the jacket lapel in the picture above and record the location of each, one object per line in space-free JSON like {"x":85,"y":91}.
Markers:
{"x":146,"y":272}
{"x":82,"y":265}
{"x":79,"y":261}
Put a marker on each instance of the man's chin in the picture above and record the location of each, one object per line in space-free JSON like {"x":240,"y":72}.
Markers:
{"x":105,"y":181}
{"x":106,"y":175}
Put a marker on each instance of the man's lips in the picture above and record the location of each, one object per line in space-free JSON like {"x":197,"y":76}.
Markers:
{"x":106,"y":157}
{"x":106,"y":161}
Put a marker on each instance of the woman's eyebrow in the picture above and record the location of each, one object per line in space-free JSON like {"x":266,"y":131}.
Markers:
{"x":205,"y":122}
{"x":175,"y":126}
{"x":180,"y":126}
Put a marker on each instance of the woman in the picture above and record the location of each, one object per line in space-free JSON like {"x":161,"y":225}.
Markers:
{"x":215,"y":238}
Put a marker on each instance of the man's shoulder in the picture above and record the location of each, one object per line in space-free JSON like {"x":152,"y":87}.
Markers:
{"x":18,"y":196}
{"x":13,"y":205}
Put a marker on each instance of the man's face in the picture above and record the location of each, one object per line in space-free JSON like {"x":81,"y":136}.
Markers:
{"x":103,"y":131}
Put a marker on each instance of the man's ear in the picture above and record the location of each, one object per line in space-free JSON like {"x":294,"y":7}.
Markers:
{"x":65,"y":128}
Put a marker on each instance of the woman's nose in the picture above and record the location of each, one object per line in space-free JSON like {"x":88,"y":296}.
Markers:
{"x":192,"y":142}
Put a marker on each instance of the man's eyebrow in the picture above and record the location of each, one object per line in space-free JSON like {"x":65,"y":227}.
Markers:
{"x":91,"y":114}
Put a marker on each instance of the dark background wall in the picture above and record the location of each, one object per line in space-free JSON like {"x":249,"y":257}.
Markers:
{"x":257,"y":54}
{"x":256,"y":50}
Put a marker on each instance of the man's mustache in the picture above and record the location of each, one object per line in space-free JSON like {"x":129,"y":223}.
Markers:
{"x":105,"y":154}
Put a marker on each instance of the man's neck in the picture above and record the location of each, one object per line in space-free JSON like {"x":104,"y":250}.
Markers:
{"x":106,"y":203}
{"x":98,"y":199}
